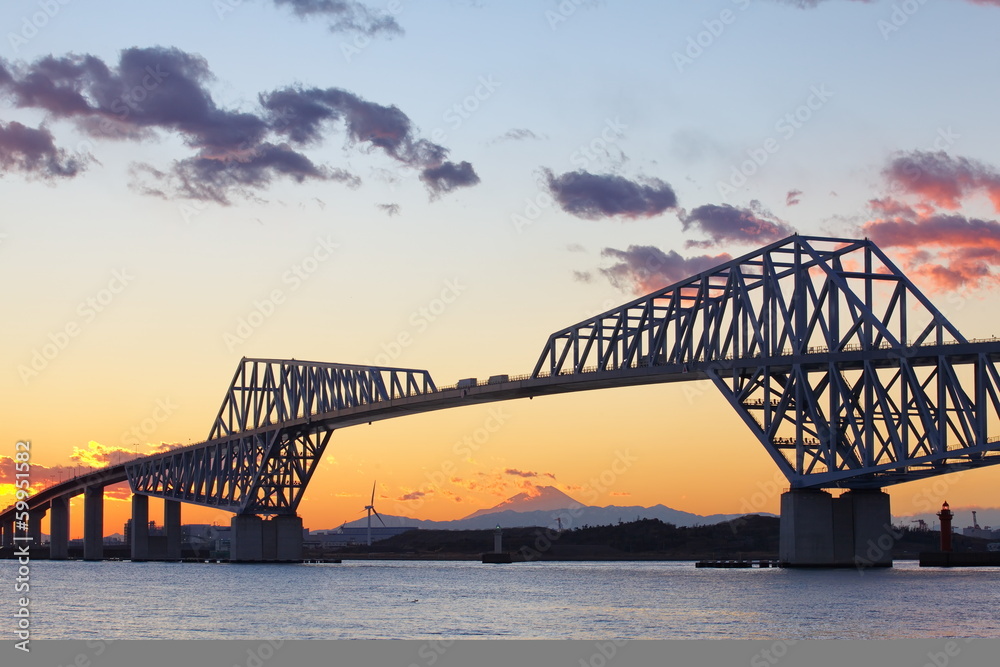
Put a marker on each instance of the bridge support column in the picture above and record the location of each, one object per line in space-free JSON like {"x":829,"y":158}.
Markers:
{"x":245,"y":542}
{"x":35,"y":526}
{"x":7,"y":533}
{"x":254,"y":540}
{"x":874,"y":535}
{"x":93,"y":523}
{"x":269,"y":540}
{"x":140,"y":528}
{"x":172,"y":527}
{"x":806,"y":529}
{"x":818,"y":530}
{"x":59,"y":529}
{"x":288,"y":538}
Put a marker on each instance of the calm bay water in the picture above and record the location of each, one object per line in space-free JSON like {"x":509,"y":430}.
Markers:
{"x":442,"y":600}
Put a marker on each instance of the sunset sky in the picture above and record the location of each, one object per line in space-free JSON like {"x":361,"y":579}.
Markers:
{"x":441,"y":185}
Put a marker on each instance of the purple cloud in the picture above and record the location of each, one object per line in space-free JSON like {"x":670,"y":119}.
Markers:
{"x":344,"y":16}
{"x":33,"y":151}
{"x":595,"y":196}
{"x":644,"y":269}
{"x":729,"y":224}
{"x":155,"y":90}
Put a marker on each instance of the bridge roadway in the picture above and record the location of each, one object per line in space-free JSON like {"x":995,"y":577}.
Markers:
{"x":525,"y":386}
{"x":588,"y":379}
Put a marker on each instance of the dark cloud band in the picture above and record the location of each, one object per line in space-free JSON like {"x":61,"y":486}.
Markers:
{"x":155,"y":90}
{"x":729,"y":224}
{"x":595,"y":196}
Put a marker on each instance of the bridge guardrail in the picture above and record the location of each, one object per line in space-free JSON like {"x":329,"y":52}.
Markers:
{"x":786,"y":352}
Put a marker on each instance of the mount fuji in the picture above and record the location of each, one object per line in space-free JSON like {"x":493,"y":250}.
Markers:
{"x":549,"y":507}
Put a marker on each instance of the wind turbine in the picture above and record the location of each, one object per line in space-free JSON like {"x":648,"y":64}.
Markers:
{"x":371,"y":508}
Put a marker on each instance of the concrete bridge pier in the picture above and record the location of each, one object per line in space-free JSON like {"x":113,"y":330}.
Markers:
{"x":139,"y":534}
{"x":172,"y":527}
{"x":818,"y":530}
{"x":254,"y":540}
{"x":143,"y":546}
{"x":288,"y":537}
{"x":59,"y":529}
{"x":93,"y":523}
{"x":245,"y":540}
{"x":35,"y":525}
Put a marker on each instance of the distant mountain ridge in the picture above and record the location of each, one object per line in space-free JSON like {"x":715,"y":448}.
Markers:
{"x":547,"y":498}
{"x":549,"y":505}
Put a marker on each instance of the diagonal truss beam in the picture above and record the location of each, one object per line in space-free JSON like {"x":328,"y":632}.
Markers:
{"x":823,"y":347}
{"x":261,"y":473}
{"x":790,"y":297}
{"x":267,"y":392}
{"x":841,"y":368}
{"x":262,"y":450}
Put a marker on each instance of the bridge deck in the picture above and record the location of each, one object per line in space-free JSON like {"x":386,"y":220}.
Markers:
{"x":588,"y":379}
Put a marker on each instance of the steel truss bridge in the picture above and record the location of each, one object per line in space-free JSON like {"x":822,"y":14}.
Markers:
{"x":841,"y":368}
